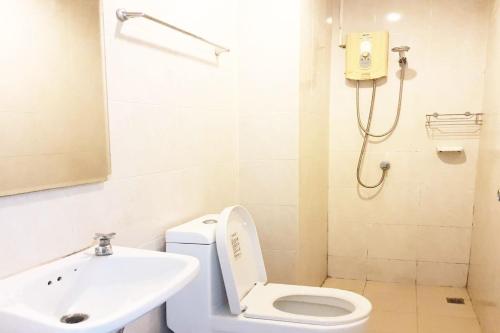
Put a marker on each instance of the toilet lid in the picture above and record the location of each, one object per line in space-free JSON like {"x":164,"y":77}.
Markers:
{"x":240,"y":255}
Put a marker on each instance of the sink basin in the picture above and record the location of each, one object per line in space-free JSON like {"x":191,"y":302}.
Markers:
{"x":86,"y":293}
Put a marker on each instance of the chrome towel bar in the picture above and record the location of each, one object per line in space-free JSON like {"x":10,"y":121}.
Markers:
{"x":124,"y":15}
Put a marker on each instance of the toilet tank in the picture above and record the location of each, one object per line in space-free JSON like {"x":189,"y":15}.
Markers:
{"x":190,"y":310}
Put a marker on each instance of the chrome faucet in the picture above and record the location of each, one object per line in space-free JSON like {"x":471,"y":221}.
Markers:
{"x":104,"y":247}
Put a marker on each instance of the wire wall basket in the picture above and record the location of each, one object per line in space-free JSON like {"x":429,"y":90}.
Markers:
{"x":435,"y":120}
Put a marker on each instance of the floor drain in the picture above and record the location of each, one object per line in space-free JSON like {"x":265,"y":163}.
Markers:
{"x":454,"y":300}
{"x":74,"y":318}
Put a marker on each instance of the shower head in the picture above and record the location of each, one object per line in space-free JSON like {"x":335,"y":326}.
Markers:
{"x":400,"y":49}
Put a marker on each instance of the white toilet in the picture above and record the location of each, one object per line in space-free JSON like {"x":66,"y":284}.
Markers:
{"x":231,"y":293}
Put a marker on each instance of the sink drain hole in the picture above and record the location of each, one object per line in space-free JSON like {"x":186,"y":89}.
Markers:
{"x":74,"y":318}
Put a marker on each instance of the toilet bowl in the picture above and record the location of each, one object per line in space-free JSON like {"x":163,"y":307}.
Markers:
{"x":305,"y":305}
{"x":232,"y":294}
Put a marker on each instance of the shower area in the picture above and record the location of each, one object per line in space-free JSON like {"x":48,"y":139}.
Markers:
{"x":416,"y":225}
{"x":393,"y":179}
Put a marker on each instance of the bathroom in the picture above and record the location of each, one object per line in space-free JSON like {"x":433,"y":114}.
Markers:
{"x":120,"y":122}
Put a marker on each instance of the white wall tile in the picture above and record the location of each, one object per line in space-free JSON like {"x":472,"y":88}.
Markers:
{"x":283,"y":127}
{"x":152,"y":322}
{"x":271,"y":182}
{"x":269,"y":136}
{"x":277,"y":226}
{"x":484,"y":277}
{"x":173,"y":134}
{"x":172,"y":121}
{"x":269,"y":81}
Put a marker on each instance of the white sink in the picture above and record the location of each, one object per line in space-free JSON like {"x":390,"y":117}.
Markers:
{"x":112,"y":291}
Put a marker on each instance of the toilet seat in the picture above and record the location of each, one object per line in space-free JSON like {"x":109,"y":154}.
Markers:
{"x":249,"y":295}
{"x":305,"y":305}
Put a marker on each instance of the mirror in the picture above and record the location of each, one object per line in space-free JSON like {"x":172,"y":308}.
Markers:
{"x":53,"y":120}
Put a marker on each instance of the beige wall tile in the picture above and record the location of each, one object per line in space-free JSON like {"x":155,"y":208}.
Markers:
{"x":392,"y":241}
{"x":352,"y":204}
{"x":348,"y":239}
{"x":441,"y":274}
{"x":356,"y":286}
{"x":443,"y":244}
{"x":389,"y":270}
{"x":281,"y":266}
{"x":347,"y":267}
{"x":484,"y":277}
{"x":447,"y":209}
{"x":449,"y":169}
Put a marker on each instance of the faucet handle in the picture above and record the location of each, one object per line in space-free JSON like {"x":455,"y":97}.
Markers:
{"x":104,"y":237}
{"x":104,"y":248}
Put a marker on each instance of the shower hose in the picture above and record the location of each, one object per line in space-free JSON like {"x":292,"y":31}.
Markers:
{"x":366,"y":130}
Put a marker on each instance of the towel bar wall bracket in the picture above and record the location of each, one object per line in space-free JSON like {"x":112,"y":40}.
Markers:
{"x":124,"y":15}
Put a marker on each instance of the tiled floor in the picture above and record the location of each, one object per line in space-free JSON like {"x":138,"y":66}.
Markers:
{"x":406,"y":308}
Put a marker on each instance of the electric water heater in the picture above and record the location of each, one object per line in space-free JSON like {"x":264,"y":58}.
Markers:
{"x":366,"y":55}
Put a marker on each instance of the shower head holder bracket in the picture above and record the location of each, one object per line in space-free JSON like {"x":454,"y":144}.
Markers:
{"x":385,"y":165}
